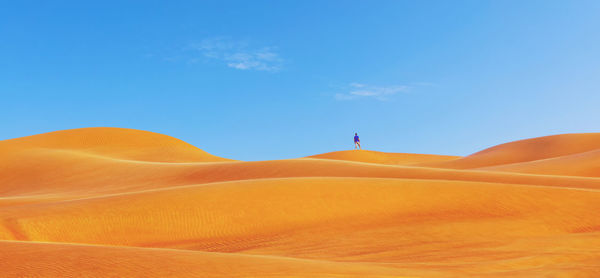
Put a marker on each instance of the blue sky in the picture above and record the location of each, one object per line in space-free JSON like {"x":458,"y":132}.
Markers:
{"x":257,"y":80}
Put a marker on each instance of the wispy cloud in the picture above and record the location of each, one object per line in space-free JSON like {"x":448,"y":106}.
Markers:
{"x":238,"y":55}
{"x":357,"y":91}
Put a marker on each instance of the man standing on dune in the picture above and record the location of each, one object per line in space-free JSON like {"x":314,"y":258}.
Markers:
{"x":356,"y":141}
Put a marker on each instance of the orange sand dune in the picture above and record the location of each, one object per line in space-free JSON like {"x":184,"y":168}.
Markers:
{"x":383,"y":157}
{"x":61,"y":174}
{"x":118,"y":143}
{"x":579,"y":164}
{"x":117,"y":202}
{"x":526,"y":150}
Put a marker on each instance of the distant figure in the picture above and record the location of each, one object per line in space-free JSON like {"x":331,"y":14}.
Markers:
{"x":356,"y":141}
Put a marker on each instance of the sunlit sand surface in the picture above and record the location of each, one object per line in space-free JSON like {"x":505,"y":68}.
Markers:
{"x":108,"y":202}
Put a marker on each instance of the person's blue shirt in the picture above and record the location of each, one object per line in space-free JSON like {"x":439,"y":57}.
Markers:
{"x":356,"y":138}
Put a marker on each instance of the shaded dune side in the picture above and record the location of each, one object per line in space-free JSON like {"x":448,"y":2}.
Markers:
{"x":384,"y":157}
{"x":120,"y":143}
{"x":22,"y":259}
{"x":525,"y":150}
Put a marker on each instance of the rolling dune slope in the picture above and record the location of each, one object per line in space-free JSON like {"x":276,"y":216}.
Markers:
{"x":104,"y":261}
{"x":579,"y":164}
{"x":116,"y":202}
{"x":118,"y":143}
{"x":525,"y":151}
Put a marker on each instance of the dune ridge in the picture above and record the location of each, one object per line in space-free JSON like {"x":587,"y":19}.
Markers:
{"x":119,"y":202}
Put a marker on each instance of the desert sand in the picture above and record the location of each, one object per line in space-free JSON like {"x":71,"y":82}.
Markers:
{"x":113,"y":202}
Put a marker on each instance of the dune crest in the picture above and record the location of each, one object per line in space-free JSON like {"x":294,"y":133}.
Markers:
{"x":130,"y":203}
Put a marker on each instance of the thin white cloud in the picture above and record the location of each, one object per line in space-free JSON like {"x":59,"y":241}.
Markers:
{"x":361,"y":91}
{"x":239,"y":55}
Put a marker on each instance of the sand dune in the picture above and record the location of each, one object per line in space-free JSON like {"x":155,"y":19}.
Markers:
{"x":75,"y":260}
{"x":103,"y":202}
{"x":60,"y":174}
{"x":579,"y":164}
{"x":526,"y":150}
{"x":383,"y":157}
{"x":119,"y":143}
